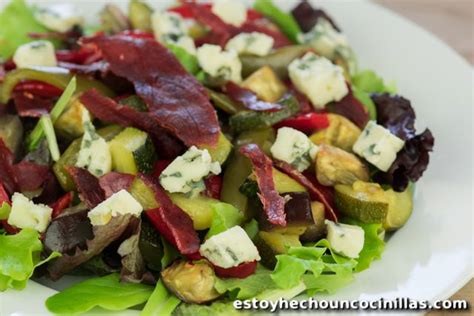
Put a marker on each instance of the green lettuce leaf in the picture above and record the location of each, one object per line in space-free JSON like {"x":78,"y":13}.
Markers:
{"x":373,"y":244}
{"x":170,"y":253}
{"x":20,"y":254}
{"x":225,"y":216}
{"x":285,"y":21}
{"x":246,"y":288}
{"x":106,"y":292}
{"x":368,"y":81}
{"x":161,"y":302}
{"x":17,"y":21}
{"x":215,"y":309}
{"x":366,"y":101}
{"x":311,"y":263}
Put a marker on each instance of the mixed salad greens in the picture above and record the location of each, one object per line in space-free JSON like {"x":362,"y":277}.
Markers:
{"x":188,"y":157}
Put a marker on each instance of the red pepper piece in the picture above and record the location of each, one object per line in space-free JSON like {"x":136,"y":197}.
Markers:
{"x":159,"y":166}
{"x":213,"y":187}
{"x":306,"y":123}
{"x":61,"y":204}
{"x":241,"y":271}
{"x":38,"y":88}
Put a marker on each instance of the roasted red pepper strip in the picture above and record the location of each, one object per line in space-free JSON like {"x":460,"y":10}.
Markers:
{"x":306,"y":123}
{"x":173,"y":223}
{"x":38,"y":88}
{"x":60,"y":205}
{"x":213,"y":187}
{"x":315,"y":192}
{"x":273,"y":203}
{"x":241,"y":271}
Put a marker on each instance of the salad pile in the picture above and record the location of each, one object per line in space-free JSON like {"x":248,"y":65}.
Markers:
{"x":187,"y":157}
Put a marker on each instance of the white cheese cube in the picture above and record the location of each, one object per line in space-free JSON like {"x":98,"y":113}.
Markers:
{"x":185,"y":174}
{"x":346,"y":240}
{"x":167,"y":24}
{"x":294,"y":147}
{"x":230,"y":248}
{"x":254,"y":43}
{"x":330,"y":43}
{"x":37,"y":53}
{"x":319,"y":79}
{"x":119,"y":203}
{"x":60,"y":18}
{"x":95,"y":152}
{"x":378,"y":146}
{"x":25,"y":214}
{"x":230,"y":11}
{"x":170,"y":28}
{"x":220,"y":64}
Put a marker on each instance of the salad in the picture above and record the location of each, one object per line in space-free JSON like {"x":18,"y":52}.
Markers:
{"x":180,"y":159}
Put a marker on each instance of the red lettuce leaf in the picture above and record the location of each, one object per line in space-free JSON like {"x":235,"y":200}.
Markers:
{"x":104,"y":235}
{"x":90,"y":191}
{"x":114,"y":182}
{"x":177,"y":101}
{"x":397,"y":114}
{"x":306,"y":16}
{"x":273,"y":203}
{"x":20,"y":177}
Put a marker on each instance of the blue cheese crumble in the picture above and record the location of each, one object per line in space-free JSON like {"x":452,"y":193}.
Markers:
{"x":378,"y":146}
{"x":185,"y":174}
{"x":294,"y":147}
{"x":319,"y":79}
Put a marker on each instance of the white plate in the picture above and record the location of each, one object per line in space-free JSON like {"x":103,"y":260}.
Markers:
{"x":430,"y":258}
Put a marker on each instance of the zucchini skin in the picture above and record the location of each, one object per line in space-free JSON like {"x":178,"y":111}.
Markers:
{"x":248,"y":120}
{"x":145,"y":156}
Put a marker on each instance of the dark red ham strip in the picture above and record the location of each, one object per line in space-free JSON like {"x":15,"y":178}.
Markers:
{"x":273,"y":203}
{"x":114,"y":182}
{"x":20,"y":177}
{"x":315,"y":192}
{"x":88,"y":186}
{"x":248,"y":98}
{"x":177,"y":101}
{"x":108,"y":110}
{"x":173,"y":223}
